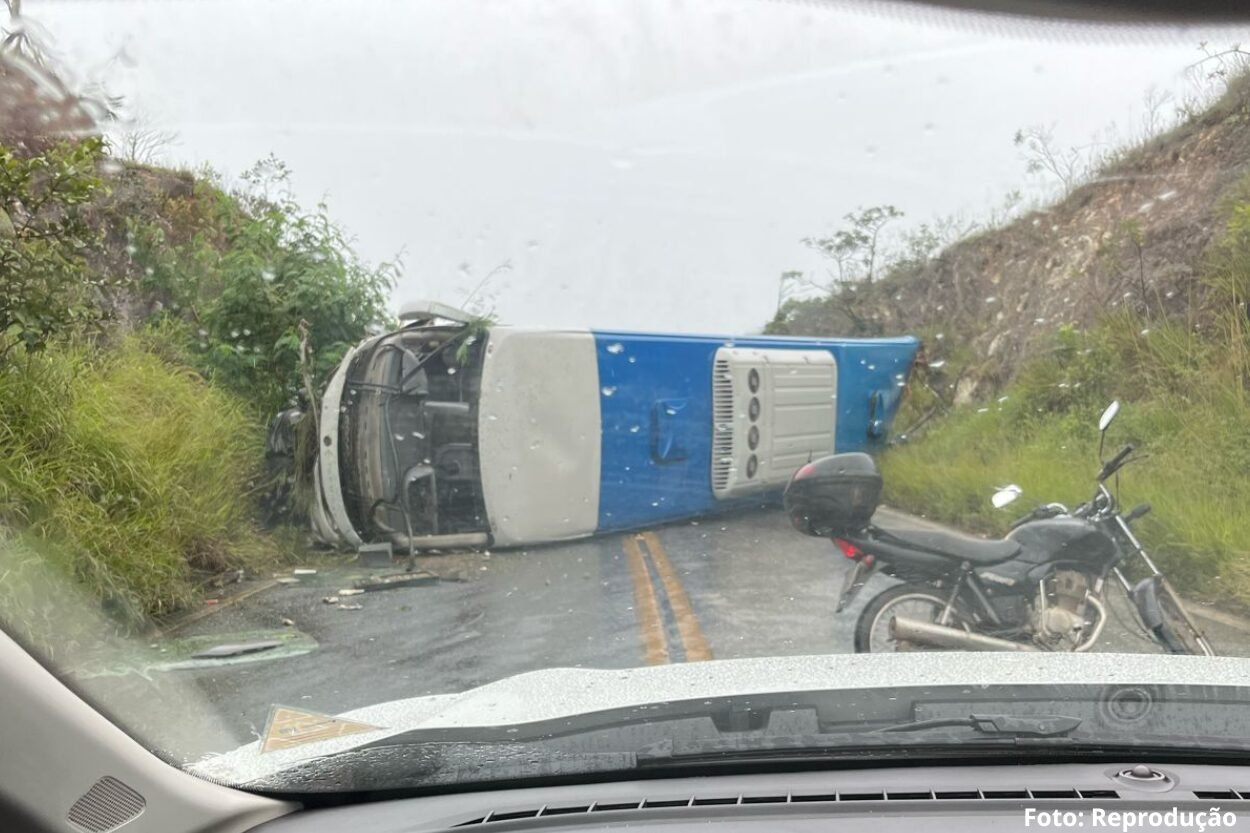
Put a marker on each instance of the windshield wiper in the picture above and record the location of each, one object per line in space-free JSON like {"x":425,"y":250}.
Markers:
{"x":991,"y":729}
{"x":1044,"y":726}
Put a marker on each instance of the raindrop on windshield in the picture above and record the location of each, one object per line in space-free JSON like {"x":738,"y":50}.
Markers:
{"x":608,"y":390}
{"x":616,"y":348}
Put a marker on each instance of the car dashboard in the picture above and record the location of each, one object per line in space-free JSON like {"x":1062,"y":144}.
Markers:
{"x":1122,"y":796}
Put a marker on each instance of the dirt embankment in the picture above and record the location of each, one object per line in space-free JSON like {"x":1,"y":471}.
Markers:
{"x":1135,"y":235}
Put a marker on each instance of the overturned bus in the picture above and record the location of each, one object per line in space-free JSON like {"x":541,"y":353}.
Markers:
{"x":451,"y":433}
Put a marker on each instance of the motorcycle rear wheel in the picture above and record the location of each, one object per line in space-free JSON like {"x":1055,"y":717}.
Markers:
{"x":921,"y":601}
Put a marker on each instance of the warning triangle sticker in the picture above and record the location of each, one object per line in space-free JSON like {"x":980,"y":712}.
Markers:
{"x":288,"y":727}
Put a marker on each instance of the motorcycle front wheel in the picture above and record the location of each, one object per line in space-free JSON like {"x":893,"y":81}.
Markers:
{"x":913,"y":601}
{"x":1174,"y":633}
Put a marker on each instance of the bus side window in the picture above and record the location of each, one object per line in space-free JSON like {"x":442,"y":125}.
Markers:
{"x":667,"y":444}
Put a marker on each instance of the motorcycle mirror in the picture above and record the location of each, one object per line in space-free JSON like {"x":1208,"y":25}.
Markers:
{"x":1108,"y":415}
{"x":1006,"y":495}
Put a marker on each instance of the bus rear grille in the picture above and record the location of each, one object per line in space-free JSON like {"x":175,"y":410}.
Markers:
{"x":722,"y":424}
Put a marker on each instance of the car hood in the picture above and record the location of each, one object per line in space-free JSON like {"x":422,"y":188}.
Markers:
{"x":561,"y":693}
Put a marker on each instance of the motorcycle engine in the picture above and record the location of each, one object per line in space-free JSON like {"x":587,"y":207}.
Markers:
{"x":1061,"y":621}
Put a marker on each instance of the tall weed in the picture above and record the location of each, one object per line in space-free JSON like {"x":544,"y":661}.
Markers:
{"x":126,"y":472}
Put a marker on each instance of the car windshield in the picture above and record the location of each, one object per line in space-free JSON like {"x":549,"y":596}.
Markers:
{"x":391,"y":389}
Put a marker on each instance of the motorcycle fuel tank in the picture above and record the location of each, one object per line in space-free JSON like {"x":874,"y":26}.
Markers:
{"x":1069,"y":541}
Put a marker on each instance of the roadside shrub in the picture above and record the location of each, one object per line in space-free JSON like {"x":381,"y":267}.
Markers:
{"x":128,"y":472}
{"x":244,"y":270}
{"x":46,"y":286}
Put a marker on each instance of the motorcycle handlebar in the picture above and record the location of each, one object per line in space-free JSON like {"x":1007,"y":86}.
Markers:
{"x":1019,"y":522}
{"x":1109,"y":467}
{"x":1050,"y":510}
{"x":1138,"y":510}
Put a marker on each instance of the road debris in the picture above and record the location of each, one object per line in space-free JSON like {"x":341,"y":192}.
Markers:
{"x":374,"y":555}
{"x":351,"y":607}
{"x":290,"y":623}
{"x":351,"y":592}
{"x":303,"y":571}
{"x":287,"y":580}
{"x":418,"y":578}
{"x":330,"y":600}
{"x":237,"y":649}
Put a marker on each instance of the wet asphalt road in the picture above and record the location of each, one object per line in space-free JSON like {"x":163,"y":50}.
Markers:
{"x":741,"y":586}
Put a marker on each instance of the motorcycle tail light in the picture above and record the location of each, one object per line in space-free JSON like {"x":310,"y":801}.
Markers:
{"x":848,"y":549}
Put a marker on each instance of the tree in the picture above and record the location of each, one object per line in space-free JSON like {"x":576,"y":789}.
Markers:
{"x":46,"y":285}
{"x":855,"y":250}
{"x":259,"y":268}
{"x":1042,"y":154}
{"x":786,"y":287}
{"x":142,"y":141}
{"x":921,"y":244}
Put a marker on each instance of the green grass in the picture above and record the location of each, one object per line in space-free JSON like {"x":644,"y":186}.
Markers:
{"x":1182,"y":407}
{"x":123,"y":475}
{"x":1185,"y":384}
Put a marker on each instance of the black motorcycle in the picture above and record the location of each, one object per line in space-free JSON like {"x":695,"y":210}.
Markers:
{"x":1042,"y":588}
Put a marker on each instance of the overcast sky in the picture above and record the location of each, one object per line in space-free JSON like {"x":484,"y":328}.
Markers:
{"x":641,"y":164}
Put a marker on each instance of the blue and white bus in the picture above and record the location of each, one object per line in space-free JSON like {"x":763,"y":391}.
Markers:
{"x":446,"y":433}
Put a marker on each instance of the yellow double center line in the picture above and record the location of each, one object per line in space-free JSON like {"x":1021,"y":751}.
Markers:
{"x":654,"y":643}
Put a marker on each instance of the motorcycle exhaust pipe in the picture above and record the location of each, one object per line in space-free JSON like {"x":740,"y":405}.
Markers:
{"x":940,"y":636}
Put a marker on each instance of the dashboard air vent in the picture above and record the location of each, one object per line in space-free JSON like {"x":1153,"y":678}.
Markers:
{"x":795,"y":798}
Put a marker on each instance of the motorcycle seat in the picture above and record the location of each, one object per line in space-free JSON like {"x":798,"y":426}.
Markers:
{"x":954,"y":545}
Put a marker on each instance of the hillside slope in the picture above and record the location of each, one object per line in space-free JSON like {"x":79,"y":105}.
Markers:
{"x":1134,"y":237}
{"x":1132,"y":287}
{"x":151,"y":322}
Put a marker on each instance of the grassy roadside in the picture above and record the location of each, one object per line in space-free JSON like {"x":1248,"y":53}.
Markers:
{"x":1184,"y":380}
{"x":151,"y":323}
{"x":1185,"y":406}
{"x":128,"y":473}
